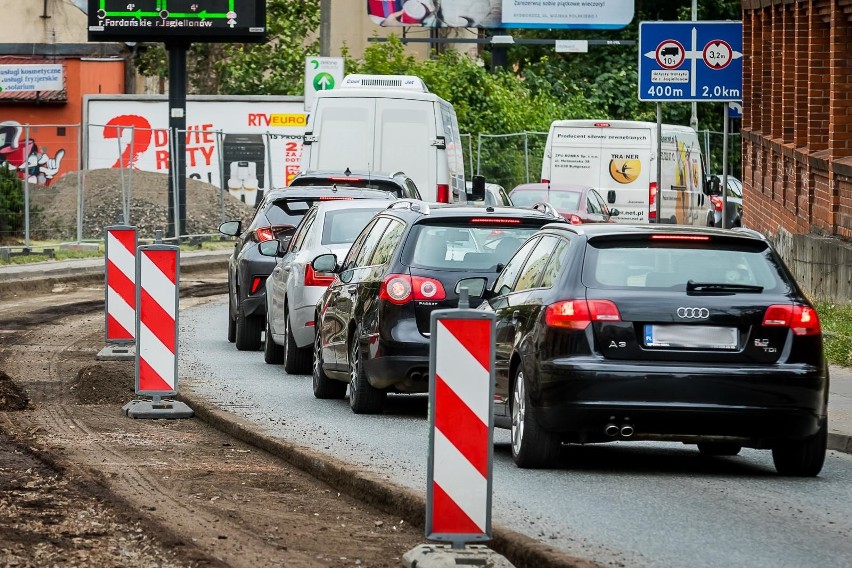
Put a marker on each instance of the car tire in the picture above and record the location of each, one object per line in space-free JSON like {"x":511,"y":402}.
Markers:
{"x":324,"y":387}
{"x":249,"y":331}
{"x":802,"y":458}
{"x":232,"y":323}
{"x":297,"y":361}
{"x":364,"y":398}
{"x":719,"y":448}
{"x":532,"y":446}
{"x":272,"y":352}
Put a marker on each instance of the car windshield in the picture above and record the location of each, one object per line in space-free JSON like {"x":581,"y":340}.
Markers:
{"x":671,"y":264}
{"x":464,"y":247}
{"x":562,"y":200}
{"x":343,"y":226}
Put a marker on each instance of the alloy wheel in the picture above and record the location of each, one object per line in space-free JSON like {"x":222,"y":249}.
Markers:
{"x":518,"y":414}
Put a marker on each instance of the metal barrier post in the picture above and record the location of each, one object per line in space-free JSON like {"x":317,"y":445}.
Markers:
{"x":157,"y":300}
{"x":461,"y":440}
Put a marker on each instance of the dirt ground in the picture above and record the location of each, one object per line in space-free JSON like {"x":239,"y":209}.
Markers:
{"x":81,"y":484}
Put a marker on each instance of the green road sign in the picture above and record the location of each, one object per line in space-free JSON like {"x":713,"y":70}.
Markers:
{"x":323,"y":81}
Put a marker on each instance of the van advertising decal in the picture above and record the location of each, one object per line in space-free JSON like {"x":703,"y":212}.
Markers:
{"x":625,"y":168}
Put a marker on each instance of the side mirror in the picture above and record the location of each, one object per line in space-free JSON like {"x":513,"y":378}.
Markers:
{"x":270,"y":248}
{"x":325,"y":263}
{"x":477,"y":188}
{"x":610,"y":196}
{"x":231,"y":228}
{"x":614,"y":212}
{"x":713,"y":186}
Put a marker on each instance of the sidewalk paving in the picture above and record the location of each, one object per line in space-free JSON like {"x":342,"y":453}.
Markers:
{"x":840,"y":391}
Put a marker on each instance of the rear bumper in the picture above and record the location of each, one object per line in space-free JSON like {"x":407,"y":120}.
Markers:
{"x":757,"y":405}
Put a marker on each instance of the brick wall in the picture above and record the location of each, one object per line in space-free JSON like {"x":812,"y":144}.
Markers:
{"x":797,"y":116}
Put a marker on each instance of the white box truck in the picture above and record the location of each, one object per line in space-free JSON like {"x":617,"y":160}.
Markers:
{"x":387,"y":124}
{"x":618,"y":158}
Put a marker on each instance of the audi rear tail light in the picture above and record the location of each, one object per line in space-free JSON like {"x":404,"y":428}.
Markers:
{"x":578,"y":314}
{"x":443,"y":193}
{"x":313,"y":278}
{"x":256,"y":284}
{"x":652,"y":201}
{"x":400,"y":289}
{"x":803,"y":320}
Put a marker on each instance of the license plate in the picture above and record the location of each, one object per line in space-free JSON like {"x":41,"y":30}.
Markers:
{"x":691,"y":337}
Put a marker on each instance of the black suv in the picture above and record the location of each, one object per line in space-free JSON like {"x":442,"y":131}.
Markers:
{"x":276,"y":217}
{"x":657,"y":332}
{"x":397,"y":183}
{"x":372,"y":323}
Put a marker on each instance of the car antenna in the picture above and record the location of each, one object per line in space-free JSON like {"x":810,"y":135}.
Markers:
{"x":347,"y":172}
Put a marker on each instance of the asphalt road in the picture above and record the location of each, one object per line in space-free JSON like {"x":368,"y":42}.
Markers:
{"x":631,"y":504}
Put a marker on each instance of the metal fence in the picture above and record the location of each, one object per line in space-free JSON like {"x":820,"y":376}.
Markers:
{"x":66,"y":182}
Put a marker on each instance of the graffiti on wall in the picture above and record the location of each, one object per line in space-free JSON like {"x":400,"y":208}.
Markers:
{"x":23,"y":155}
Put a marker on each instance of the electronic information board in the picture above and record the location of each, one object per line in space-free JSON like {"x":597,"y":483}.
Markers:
{"x":224,"y":21}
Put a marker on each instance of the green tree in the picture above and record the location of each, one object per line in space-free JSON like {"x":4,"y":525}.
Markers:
{"x":11,"y":203}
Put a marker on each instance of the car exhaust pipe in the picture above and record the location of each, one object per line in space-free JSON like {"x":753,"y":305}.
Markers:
{"x":626,"y":431}
{"x":415,"y":376}
{"x":611,"y":430}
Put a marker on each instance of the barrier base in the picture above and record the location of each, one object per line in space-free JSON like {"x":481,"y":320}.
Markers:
{"x":444,"y":556}
{"x":117,"y":353}
{"x":164,"y":409}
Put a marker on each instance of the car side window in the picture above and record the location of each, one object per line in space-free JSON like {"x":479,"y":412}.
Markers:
{"x":592,"y":205}
{"x":507,"y":278}
{"x":371,"y":242}
{"x":388,"y":243}
{"x":505,"y":197}
{"x":535,"y":263}
{"x":349,"y":261}
{"x":554,"y":265}
{"x":302,"y":231}
{"x":602,"y":206}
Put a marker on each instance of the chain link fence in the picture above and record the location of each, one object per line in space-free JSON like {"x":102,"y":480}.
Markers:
{"x":56,"y":188}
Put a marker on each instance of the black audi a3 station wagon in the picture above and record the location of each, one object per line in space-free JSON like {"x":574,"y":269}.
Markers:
{"x":372,"y":322}
{"x":656,"y":332}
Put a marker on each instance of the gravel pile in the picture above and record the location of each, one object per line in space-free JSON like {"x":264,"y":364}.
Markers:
{"x":54,"y":208}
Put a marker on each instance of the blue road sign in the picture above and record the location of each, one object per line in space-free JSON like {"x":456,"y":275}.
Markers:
{"x":690,"y":61}
{"x":735,"y":109}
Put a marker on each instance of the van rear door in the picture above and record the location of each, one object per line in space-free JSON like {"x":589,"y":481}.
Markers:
{"x":345,"y":134}
{"x":404,"y":132}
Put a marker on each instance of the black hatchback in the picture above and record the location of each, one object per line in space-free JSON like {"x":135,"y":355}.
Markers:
{"x":276,"y":217}
{"x":657,"y":332}
{"x":372,"y":323}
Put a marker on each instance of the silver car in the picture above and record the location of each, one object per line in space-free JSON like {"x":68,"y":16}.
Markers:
{"x":293,"y":288}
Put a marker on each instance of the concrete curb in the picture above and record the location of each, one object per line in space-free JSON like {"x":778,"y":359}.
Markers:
{"x":407,"y":504}
{"x":840,"y":443}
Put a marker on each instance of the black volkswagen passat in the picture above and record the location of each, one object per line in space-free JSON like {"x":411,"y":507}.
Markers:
{"x":656,"y":332}
{"x":372,"y":323}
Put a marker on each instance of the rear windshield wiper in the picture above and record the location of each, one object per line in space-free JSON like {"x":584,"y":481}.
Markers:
{"x":692,"y":286}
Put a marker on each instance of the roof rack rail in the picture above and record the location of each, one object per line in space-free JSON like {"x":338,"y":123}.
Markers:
{"x":410,"y":204}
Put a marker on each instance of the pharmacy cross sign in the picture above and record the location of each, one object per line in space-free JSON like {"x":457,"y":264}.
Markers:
{"x":690,"y":61}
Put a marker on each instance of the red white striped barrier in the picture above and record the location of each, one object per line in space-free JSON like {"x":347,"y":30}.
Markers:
{"x":120,"y":304}
{"x":158,"y":267}
{"x":461,"y":389}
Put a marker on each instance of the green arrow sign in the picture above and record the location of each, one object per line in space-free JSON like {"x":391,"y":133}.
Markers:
{"x":323,"y":82}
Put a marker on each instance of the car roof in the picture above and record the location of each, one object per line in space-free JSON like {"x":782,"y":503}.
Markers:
{"x":337,"y":204}
{"x":576,"y":188}
{"x":592,"y":230}
{"x":450,"y":211}
{"x":352,"y":173}
{"x":338,"y":190}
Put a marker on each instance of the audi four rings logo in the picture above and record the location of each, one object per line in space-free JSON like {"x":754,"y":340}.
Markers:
{"x":693,"y":313}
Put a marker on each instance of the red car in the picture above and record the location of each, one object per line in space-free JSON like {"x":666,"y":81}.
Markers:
{"x":577,"y":203}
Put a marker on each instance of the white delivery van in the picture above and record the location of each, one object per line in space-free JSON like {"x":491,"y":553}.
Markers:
{"x":387,"y":123}
{"x":618,"y":158}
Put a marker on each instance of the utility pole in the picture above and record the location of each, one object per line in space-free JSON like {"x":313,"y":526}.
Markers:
{"x":693,"y":119}
{"x":325,"y":28}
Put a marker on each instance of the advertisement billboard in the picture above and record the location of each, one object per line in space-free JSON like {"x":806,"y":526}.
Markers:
{"x":552,"y":14}
{"x":246,"y":145}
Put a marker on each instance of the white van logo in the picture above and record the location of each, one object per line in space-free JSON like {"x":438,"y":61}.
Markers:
{"x":625,"y":169}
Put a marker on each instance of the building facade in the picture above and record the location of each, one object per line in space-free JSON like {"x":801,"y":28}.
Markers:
{"x":797,"y":135}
